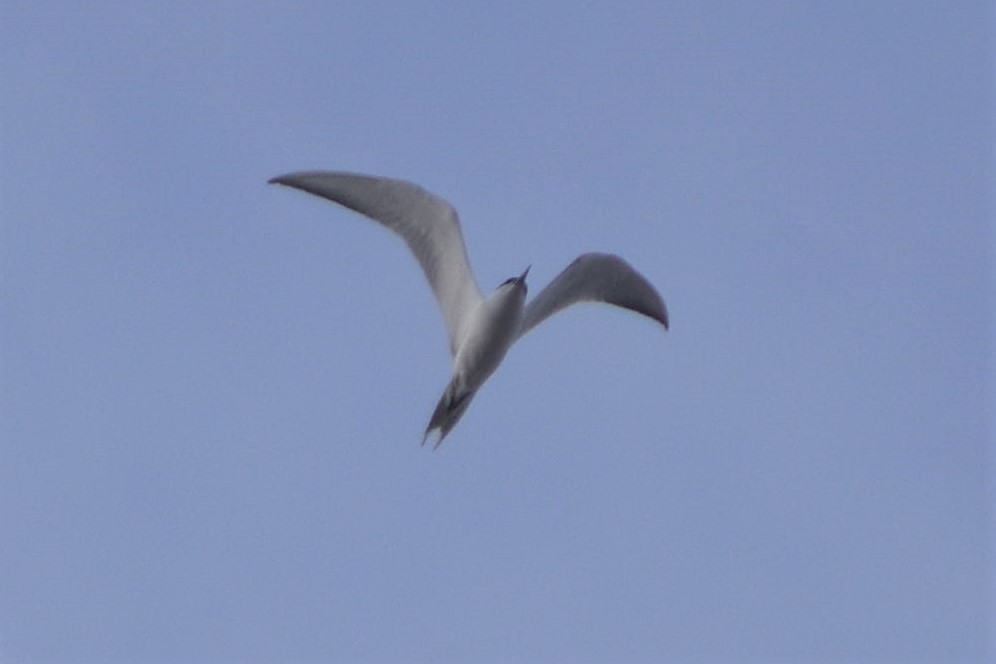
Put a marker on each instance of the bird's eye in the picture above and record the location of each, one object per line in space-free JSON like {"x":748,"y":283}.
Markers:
{"x":507,"y":281}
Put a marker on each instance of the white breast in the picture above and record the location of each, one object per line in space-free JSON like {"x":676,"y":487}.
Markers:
{"x":492,"y":328}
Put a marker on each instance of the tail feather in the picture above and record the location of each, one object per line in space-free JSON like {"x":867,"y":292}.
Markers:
{"x":449,"y":410}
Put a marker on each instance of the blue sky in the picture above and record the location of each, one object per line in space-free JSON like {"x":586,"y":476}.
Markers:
{"x":213,"y":390}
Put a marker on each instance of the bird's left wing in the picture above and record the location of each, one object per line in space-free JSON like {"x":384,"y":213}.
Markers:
{"x":428,"y":224}
{"x":596,"y":278}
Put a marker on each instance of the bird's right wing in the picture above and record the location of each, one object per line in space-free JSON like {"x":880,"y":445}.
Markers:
{"x":596,"y":278}
{"x":428,"y":224}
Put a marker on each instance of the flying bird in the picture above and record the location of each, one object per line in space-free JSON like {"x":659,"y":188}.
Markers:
{"x":481,"y":328}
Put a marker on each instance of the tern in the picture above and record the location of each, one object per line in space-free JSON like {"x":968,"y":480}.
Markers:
{"x":481,"y":328}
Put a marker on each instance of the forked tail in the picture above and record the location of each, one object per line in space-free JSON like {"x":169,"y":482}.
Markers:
{"x":449,"y":410}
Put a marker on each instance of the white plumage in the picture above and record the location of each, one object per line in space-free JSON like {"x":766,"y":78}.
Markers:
{"x":481,"y":329}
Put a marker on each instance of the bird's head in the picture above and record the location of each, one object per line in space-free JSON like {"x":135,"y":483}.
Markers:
{"x":516,"y":281}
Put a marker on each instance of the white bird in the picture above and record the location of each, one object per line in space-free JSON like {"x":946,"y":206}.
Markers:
{"x":481,"y":329}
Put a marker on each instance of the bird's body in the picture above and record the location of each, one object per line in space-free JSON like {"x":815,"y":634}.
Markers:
{"x":481,"y":329}
{"x":492,"y":327}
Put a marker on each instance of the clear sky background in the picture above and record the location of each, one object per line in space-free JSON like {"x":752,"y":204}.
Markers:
{"x":213,"y":389}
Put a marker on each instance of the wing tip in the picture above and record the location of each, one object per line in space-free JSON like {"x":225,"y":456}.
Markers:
{"x":662,"y":317}
{"x":284,"y":179}
{"x":297,"y":177}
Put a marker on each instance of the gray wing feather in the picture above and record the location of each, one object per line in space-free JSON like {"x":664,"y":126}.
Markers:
{"x":596,"y":278}
{"x":428,"y":225}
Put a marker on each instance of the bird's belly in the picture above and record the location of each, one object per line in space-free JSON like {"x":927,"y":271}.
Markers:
{"x":488,"y":338}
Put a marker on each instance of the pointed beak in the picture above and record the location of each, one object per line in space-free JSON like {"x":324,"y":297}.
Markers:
{"x":522,"y":277}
